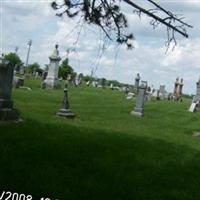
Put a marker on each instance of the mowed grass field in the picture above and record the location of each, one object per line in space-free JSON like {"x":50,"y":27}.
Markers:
{"x":104,"y":153}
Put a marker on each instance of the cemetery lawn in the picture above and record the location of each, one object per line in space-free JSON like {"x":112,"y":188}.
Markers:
{"x":104,"y":153}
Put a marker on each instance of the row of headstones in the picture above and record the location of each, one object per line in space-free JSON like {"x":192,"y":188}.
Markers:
{"x":161,"y":93}
{"x":139,"y":108}
{"x":143,"y":93}
{"x":7,"y":111}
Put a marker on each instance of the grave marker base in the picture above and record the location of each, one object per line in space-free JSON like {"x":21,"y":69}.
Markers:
{"x":139,"y":114}
{"x":8,"y":114}
{"x":65,"y":113}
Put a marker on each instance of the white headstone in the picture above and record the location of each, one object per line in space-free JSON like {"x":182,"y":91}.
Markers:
{"x":192,"y":107}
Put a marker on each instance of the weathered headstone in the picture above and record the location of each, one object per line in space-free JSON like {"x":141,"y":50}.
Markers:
{"x":139,"y":108}
{"x":148,"y":94}
{"x":76,"y":81}
{"x":176,"y":86}
{"x":180,"y":88}
{"x":88,"y":83}
{"x":65,"y":110}
{"x":7,"y":112}
{"x":197,"y":96}
{"x":18,"y":82}
{"x":94,"y":83}
{"x":137,"y":83}
{"x":196,"y":99}
{"x":192,"y":107}
{"x":198,"y":88}
{"x":52,"y":81}
{"x":130,"y":95}
{"x":127,"y":90}
{"x":162,"y":92}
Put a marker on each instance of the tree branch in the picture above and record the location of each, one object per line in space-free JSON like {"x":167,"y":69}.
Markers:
{"x":156,"y":18}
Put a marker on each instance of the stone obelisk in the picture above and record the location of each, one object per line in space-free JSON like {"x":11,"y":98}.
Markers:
{"x":52,"y":81}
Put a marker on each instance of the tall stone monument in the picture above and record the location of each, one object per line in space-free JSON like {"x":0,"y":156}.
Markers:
{"x":137,"y":83}
{"x":139,"y":108}
{"x":176,"y":86}
{"x":52,"y":81}
{"x":180,"y":88}
{"x":7,"y":112}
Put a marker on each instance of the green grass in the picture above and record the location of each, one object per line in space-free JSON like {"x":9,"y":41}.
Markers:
{"x":104,"y":153}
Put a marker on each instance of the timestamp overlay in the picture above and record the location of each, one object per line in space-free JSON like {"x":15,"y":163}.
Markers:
{"x":7,"y":195}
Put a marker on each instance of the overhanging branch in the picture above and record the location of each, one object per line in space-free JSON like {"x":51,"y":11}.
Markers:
{"x":157,"y":18}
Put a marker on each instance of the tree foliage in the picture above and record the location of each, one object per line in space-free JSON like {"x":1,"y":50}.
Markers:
{"x":65,"y":69}
{"x":107,"y":15}
{"x":14,"y":59}
{"x":35,"y":67}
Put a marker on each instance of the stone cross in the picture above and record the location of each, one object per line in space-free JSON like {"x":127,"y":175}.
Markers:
{"x":7,"y":112}
{"x":51,"y":80}
{"x":139,"y":108}
{"x":65,"y":110}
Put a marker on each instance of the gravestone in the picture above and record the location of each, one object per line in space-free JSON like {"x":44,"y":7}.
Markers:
{"x":180,"y":88}
{"x":162,"y":91}
{"x":198,"y":88}
{"x":76,"y":81}
{"x":130,"y":95}
{"x":197,"y":96}
{"x":139,"y":108}
{"x":192,"y":107}
{"x":88,"y":83}
{"x":111,"y":86}
{"x":148,"y":94}
{"x":196,"y":100}
{"x":7,"y":112}
{"x":18,"y":82}
{"x":176,"y":86}
{"x":137,"y":83}
{"x":127,"y":90}
{"x":52,"y":81}
{"x":65,"y":110}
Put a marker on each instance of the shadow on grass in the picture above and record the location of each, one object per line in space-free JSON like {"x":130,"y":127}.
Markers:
{"x":64,"y":162}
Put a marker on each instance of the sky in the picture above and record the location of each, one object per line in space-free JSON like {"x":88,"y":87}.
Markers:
{"x":21,"y":20}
